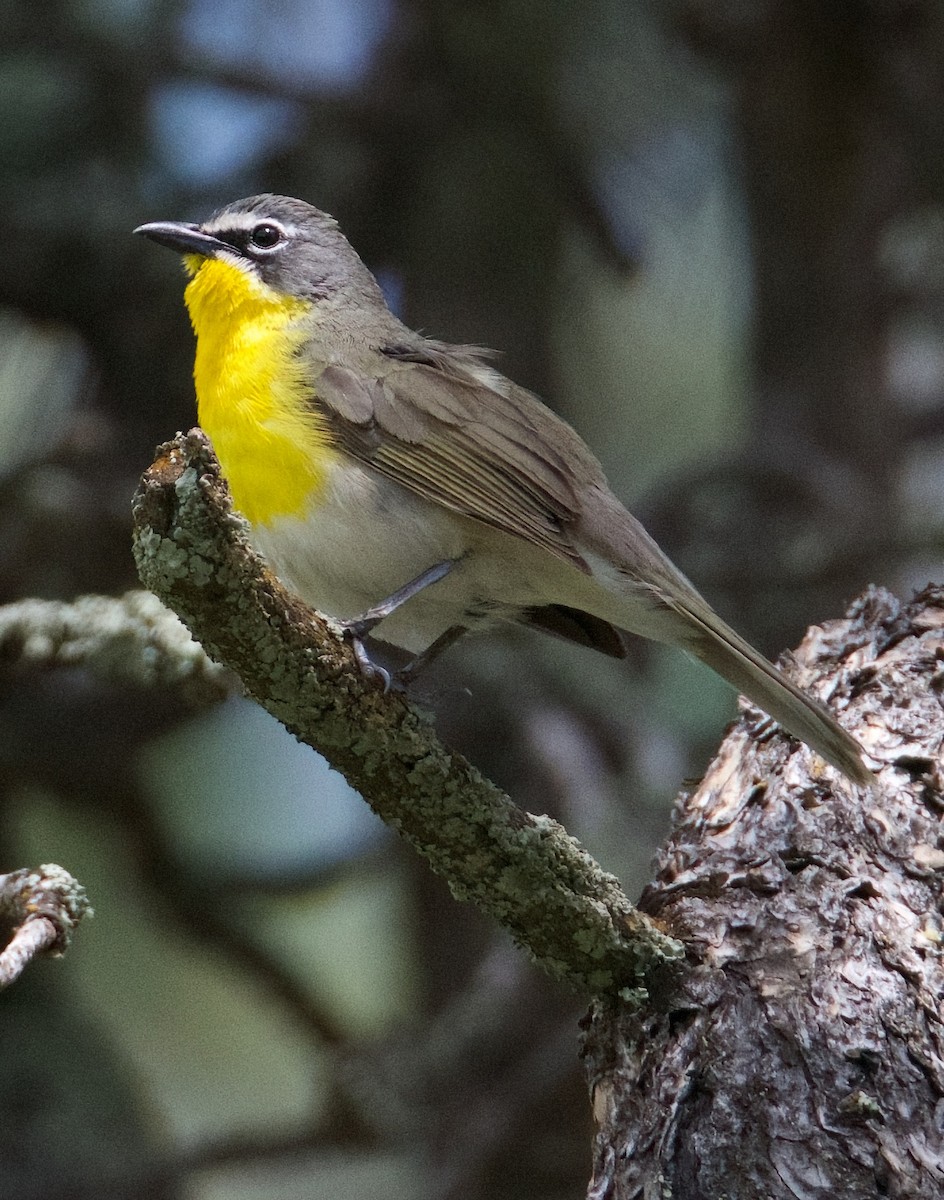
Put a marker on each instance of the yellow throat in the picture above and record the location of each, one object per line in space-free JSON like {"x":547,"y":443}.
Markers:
{"x":254,"y":391}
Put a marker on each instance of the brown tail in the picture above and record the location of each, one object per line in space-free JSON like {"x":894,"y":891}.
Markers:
{"x":655,"y":599}
{"x":721,"y":649}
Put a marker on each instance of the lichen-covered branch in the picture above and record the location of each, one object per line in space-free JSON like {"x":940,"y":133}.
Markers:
{"x":42,"y":908}
{"x":124,"y":639}
{"x":192,"y":551}
{"x":802,"y":1056}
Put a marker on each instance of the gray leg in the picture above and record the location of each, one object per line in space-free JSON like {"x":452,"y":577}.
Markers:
{"x":421,"y":661}
{"x":359,"y":627}
{"x":356,"y":629}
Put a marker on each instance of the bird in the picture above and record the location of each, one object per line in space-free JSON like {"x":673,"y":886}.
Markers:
{"x":400,"y":483}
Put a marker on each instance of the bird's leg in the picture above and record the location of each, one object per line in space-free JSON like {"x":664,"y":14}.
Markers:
{"x":356,"y":629}
{"x":421,"y":661}
{"x":359,"y":627}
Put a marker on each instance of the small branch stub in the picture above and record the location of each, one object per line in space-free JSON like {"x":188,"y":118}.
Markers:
{"x":192,"y":550}
{"x":43,"y":907}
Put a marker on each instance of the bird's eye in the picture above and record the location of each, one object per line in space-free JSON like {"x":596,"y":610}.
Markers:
{"x":265,"y":236}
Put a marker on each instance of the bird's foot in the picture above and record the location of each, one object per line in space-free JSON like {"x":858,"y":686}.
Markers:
{"x":373,"y":672}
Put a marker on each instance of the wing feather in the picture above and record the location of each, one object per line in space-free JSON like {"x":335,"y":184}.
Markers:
{"x":452,"y":430}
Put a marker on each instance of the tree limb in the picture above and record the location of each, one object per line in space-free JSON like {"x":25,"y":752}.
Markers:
{"x":524,"y":870}
{"x":123,"y":639}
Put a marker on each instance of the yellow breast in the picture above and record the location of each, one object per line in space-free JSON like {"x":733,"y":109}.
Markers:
{"x":253,"y":392}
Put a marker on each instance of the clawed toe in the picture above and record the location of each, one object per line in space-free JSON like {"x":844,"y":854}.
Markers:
{"x":371,"y":671}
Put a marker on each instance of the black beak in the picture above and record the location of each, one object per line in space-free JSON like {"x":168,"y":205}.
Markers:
{"x":186,"y":239}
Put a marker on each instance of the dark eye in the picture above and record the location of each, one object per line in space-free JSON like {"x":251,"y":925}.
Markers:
{"x":265,"y":236}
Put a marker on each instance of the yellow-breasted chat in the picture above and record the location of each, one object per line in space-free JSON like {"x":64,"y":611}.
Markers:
{"x":391,"y":478}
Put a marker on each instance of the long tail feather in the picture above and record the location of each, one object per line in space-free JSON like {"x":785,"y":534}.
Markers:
{"x":720,"y":648}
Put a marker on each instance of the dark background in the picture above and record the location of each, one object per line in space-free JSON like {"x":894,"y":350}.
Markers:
{"x":709,"y":234}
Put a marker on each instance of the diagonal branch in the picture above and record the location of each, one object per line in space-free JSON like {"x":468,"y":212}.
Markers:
{"x":524,"y":870}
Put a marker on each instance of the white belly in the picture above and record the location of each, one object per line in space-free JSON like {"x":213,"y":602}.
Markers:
{"x":369,"y":536}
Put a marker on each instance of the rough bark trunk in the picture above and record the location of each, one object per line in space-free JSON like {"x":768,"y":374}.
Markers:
{"x":800,"y":1052}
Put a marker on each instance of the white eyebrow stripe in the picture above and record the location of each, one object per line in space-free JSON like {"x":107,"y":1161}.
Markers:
{"x":244,"y":222}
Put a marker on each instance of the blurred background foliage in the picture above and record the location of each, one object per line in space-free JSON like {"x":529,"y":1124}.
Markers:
{"x":712,"y":236}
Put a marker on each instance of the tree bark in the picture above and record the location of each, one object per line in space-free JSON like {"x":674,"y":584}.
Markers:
{"x":800,"y":1054}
